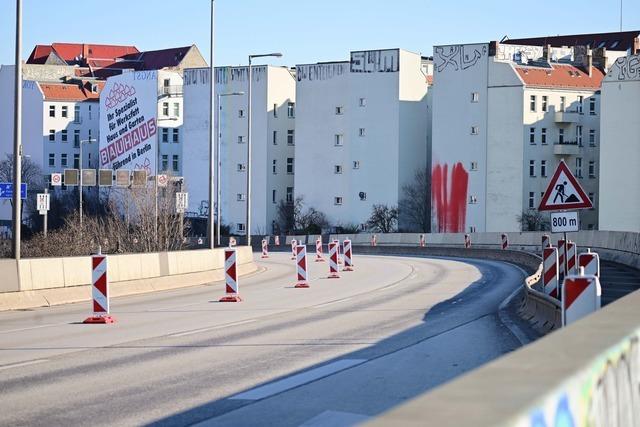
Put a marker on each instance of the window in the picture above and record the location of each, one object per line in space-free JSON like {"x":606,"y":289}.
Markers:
{"x":273,"y":196}
{"x":532,"y":200}
{"x":175,"y":163}
{"x":166,"y":82}
{"x":63,"y":159}
{"x":362,"y":195}
{"x":241,"y":139}
{"x":76,"y":161}
{"x":339,"y":140}
{"x":52,"y":159}
{"x":52,"y":135}
{"x":176,"y":135}
{"x":474,"y":130}
{"x":560,"y":136}
{"x":241,"y":113}
{"x":592,"y":198}
{"x":592,"y":137}
{"x":543,"y":168}
{"x":545,"y":103}
{"x":579,"y":135}
{"x":473,"y":200}
{"x":580,"y":102}
{"x":89,"y":112}
{"x":474,"y":166}
{"x":176,"y":109}
{"x":89,"y":133}
{"x":339,"y":111}
{"x":275,"y":137}
{"x":532,"y":135}
{"x":52,"y":110}
{"x":592,"y":106}
{"x":63,"y":134}
{"x":532,"y":168}
{"x":361,"y":132}
{"x":165,"y":109}
{"x":337,"y":200}
{"x":337,"y":169}
{"x":274,"y":167}
{"x":532,"y":103}
{"x":242,"y":167}
{"x":76,"y":114}
{"x":543,"y":135}
{"x":363,"y":102}
{"x":241,"y":197}
{"x":579,"y":167}
{"x":290,"y":165}
{"x":165,"y":162}
{"x":592,"y":169}
{"x":65,"y":111}
{"x":475,"y":96}
{"x":356,"y":164}
{"x":563,"y":103}
{"x":291,"y":137}
{"x":291,"y":110}
{"x":165,"y":135}
{"x":289,"y":197}
{"x":76,"y":138}
{"x":240,"y":227}
{"x":275,"y":110}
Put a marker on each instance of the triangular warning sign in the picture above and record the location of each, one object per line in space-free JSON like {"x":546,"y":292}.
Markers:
{"x":564,"y":192}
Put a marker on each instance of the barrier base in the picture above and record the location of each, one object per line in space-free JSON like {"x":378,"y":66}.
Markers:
{"x":230,"y":298}
{"x":301,"y":285}
{"x":99,"y":320}
{"x":320,"y":259}
{"x":264,"y":256}
{"x":334,"y":276}
{"x":348,"y":268}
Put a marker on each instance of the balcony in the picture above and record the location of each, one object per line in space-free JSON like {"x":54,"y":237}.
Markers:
{"x":567,"y":117}
{"x":174,"y":90}
{"x":566,"y":148}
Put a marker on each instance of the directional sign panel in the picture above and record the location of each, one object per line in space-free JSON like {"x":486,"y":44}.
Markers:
{"x":6,"y":190}
{"x":564,"y":192}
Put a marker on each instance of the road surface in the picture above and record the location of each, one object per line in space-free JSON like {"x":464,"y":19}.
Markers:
{"x":334,"y":354}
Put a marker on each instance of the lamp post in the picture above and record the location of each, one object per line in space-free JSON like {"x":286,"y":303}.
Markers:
{"x":211,"y":125}
{"x":17,"y":136}
{"x":84,"y":141}
{"x":248,"y":214}
{"x":219,"y":158}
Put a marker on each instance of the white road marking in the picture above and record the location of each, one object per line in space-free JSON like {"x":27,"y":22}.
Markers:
{"x":332,"y":302}
{"x":213,"y":328}
{"x":297,"y":380}
{"x":18,"y":365}
{"x":33,"y":327}
{"x":335,"y":418}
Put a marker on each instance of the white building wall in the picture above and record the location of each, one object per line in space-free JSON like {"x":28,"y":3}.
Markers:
{"x":172,"y":121}
{"x":620,"y":152}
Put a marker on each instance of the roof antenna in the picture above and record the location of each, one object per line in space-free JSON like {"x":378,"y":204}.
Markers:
{"x":620,"y":15}
{"x":505,"y":37}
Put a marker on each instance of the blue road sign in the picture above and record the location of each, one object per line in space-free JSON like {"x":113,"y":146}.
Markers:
{"x":6,"y":190}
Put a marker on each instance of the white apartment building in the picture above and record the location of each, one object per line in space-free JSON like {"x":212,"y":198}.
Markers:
{"x":504,"y":116}
{"x":620,"y":152}
{"x":362,"y":131}
{"x":273,"y":140}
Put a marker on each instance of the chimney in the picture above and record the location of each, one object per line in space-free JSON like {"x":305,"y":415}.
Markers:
{"x":85,"y":51}
{"x":546,"y":53}
{"x":589,"y":62}
{"x":493,"y":47}
{"x":636,"y":46}
{"x":600,"y":59}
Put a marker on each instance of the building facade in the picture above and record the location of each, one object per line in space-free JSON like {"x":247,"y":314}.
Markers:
{"x":362,"y":132}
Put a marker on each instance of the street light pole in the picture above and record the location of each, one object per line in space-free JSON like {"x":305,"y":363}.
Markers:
{"x":17,"y":136}
{"x":248,"y":213}
{"x":82,"y":142}
{"x":210,"y":228}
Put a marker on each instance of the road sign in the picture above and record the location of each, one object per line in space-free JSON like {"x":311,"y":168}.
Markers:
{"x":42,"y":201}
{"x":182,"y":202}
{"x":6,"y":190}
{"x":56,"y":179}
{"x":123,"y":178}
{"x":564,"y":192}
{"x":564,"y":222}
{"x":163,"y":180}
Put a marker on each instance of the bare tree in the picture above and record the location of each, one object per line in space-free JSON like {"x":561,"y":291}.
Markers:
{"x":286,"y":215}
{"x":291,"y":217}
{"x":533,"y":221}
{"x":383,"y":219}
{"x":415,"y":206}
{"x":31,"y":173}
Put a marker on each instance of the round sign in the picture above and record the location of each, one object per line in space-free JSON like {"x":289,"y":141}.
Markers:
{"x":56,"y":178}
{"x":162,"y":180}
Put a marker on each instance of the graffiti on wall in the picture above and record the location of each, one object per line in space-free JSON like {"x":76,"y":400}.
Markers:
{"x":449,"y":197}
{"x":319,"y":72}
{"x":375,"y":61}
{"x":196,"y":76}
{"x":458,"y":57}
{"x":518,"y":53}
{"x":627,"y":68}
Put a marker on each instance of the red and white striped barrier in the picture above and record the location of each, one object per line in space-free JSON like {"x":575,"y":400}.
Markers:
{"x":374,"y":240}
{"x":467,"y":241}
{"x":230,"y":277}
{"x":550,"y":274}
{"x":337,"y":242}
{"x":423,"y":241}
{"x":301,"y":266}
{"x":333,"y":261}
{"x":505,"y":242}
{"x":265,"y":249}
{"x":590,"y":261}
{"x":232,"y":242}
{"x":276,"y":240}
{"x":348,"y":256}
{"x":581,"y":296}
{"x":294,"y":245}
{"x":319,"y":257}
{"x":546,"y":241}
{"x":99,"y":291}
{"x":562,"y":248}
{"x":572,"y":258}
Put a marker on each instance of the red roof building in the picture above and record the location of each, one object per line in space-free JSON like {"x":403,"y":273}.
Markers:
{"x":560,"y":76}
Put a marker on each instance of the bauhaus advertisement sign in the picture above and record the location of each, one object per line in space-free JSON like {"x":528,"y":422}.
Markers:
{"x":128,"y":126}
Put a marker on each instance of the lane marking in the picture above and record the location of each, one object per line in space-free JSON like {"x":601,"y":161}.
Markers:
{"x":297,"y":380}
{"x":332,"y":302}
{"x":336,"y":418}
{"x":33,"y":327}
{"x":21,"y":364}
{"x":212,"y":328}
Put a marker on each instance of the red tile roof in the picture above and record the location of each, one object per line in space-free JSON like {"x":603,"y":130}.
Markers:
{"x":39,"y":54}
{"x":560,"y":76}
{"x":69,"y":51}
{"x":70,"y":92}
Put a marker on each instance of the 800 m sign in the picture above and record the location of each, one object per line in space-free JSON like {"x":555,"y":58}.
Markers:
{"x":563,"y":222}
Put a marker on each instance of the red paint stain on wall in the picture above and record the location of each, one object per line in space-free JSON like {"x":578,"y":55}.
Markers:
{"x":449,"y":197}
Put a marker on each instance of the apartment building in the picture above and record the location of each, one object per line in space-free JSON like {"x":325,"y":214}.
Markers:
{"x":273,"y":140}
{"x":504,"y":115}
{"x":362,"y":131}
{"x":620,"y":152}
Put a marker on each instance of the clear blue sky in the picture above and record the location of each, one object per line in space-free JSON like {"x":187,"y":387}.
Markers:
{"x":304,"y":31}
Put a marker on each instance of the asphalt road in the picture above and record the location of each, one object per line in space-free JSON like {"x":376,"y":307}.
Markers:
{"x":334,"y":354}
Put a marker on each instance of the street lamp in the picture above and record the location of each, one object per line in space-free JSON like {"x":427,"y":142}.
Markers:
{"x":17,"y":136}
{"x":84,"y":141}
{"x":248,"y":214}
{"x":218,"y":156}
{"x":211,"y":125}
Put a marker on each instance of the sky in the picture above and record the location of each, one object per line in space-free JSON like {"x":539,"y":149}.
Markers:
{"x":304,"y":31}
